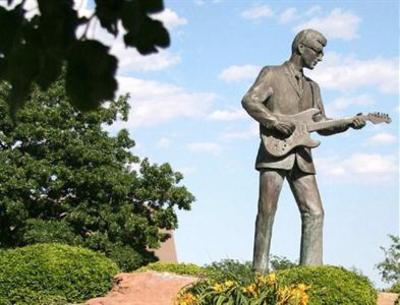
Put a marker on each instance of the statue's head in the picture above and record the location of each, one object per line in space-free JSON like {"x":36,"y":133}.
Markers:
{"x":309,"y":44}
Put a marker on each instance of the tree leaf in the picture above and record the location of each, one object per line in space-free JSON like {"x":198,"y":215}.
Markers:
{"x":90,"y":78}
{"x":10,"y":24}
{"x":108,"y":12}
{"x":150,"y":34}
{"x":152,"y":6}
{"x":21,"y":68}
{"x":57,"y":24}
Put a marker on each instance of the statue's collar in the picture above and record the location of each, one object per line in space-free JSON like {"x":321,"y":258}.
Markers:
{"x":296,"y":71}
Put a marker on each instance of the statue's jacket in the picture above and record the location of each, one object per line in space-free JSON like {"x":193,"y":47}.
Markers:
{"x":276,"y":91}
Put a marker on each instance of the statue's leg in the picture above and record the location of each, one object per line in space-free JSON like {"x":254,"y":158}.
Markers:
{"x":305,"y":191}
{"x":270,"y":187}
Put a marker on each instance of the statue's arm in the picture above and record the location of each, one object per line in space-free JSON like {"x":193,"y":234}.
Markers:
{"x":254,"y":100}
{"x":323,"y":117}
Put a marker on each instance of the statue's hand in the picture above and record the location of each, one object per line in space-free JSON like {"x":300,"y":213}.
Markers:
{"x":358,"y":122}
{"x":285,"y":128}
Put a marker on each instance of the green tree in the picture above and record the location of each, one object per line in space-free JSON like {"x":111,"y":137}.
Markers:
{"x":64,"y":179}
{"x":34,"y":50}
{"x":390,"y":266}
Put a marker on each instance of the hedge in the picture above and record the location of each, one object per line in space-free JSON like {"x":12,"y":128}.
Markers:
{"x":50,"y":274}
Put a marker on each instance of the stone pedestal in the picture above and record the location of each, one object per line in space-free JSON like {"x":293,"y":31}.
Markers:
{"x":167,"y":252}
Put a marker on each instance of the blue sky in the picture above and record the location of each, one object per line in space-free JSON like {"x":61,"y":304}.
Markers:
{"x":186,"y":111}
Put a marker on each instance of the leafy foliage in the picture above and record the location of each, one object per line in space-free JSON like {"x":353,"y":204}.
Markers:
{"x":64,"y":179}
{"x":390,"y":267}
{"x":52,"y":274}
{"x":232,"y":270}
{"x":261,"y":290}
{"x":33,"y":50}
{"x":181,"y":268}
{"x":331,"y":285}
{"x":281,"y":263}
{"x":395,"y":288}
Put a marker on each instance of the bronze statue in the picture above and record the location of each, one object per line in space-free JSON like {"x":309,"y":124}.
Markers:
{"x":288,"y":106}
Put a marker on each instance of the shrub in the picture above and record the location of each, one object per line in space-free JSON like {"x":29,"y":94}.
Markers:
{"x":183,"y":269}
{"x":52,"y":274}
{"x":395,"y":288}
{"x":232,"y":270}
{"x":331,"y":285}
{"x":281,"y":263}
{"x":243,"y":271}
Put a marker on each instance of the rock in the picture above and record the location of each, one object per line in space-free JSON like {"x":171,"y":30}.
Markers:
{"x":385,"y":298}
{"x":144,"y":288}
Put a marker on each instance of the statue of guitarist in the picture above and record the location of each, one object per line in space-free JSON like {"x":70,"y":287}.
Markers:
{"x":284,"y":91}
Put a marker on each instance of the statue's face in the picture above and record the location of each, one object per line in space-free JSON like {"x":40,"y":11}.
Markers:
{"x":311,"y":54}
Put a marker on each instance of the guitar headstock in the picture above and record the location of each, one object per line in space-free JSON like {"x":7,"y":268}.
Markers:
{"x":378,"y":117}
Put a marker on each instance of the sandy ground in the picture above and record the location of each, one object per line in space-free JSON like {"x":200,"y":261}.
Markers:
{"x":153,"y":288}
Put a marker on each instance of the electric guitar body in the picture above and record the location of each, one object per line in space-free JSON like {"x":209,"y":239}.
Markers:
{"x":279,"y":145}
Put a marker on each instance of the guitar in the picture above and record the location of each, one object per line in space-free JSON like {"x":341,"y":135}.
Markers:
{"x":304,"y":123}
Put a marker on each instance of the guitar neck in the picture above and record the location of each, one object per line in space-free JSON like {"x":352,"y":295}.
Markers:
{"x":315,"y":126}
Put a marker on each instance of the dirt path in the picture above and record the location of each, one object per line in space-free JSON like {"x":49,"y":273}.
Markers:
{"x":145,"y":288}
{"x":154,"y":288}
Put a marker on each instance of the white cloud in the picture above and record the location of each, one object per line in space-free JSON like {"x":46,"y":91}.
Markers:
{"x":337,"y":106}
{"x":205,"y":147}
{"x":164,"y":142}
{"x":316,"y":9}
{"x":257,"y":12}
{"x":129,"y":59}
{"x":155,"y":102}
{"x":346,"y":73}
{"x":202,"y":2}
{"x":239,"y":73}
{"x":381,"y":139}
{"x":338,"y":24}
{"x":359,"y":167}
{"x":228,"y":115}
{"x":250,"y":133}
{"x":170,"y":18}
{"x":288,"y":15}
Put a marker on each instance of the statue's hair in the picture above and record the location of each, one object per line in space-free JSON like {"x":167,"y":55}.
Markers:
{"x":306,"y":36}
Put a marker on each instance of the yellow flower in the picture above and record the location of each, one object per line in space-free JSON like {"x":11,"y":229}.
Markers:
{"x":283,"y":294}
{"x":251,"y":289}
{"x":304,"y":300}
{"x":303,"y":287}
{"x":299,"y":295}
{"x":218,"y":287}
{"x":296,"y":293}
{"x":271,"y":278}
{"x":187,"y":299}
{"x":229,"y":284}
{"x":261,"y":279}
